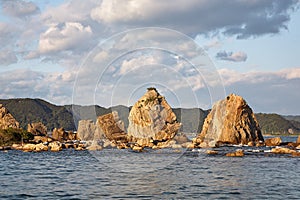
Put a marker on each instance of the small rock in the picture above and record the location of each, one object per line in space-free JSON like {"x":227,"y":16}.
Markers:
{"x":190,"y":146}
{"x":41,"y":147}
{"x":238,"y":153}
{"x":137,"y":148}
{"x":28,"y":147}
{"x":272,"y":142}
{"x":55,"y":146}
{"x":282,"y":150}
{"x":296,"y":154}
{"x":212,"y":152}
{"x":251,"y":144}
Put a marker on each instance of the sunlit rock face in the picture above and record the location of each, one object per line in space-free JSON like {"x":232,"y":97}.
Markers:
{"x":111,"y":127}
{"x":231,"y":121}
{"x":7,"y":120}
{"x":152,"y":120}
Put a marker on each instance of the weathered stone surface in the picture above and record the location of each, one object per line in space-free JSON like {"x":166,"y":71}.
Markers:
{"x":41,"y":147}
{"x":62,"y":135}
{"x":271,"y":142}
{"x":238,"y":153}
{"x":181,"y":138}
{"x":231,"y":121}
{"x":86,"y":130}
{"x":43,"y":139}
{"x":94,"y":147}
{"x":28,"y":147}
{"x":152,"y":118}
{"x":7,"y":120}
{"x":112,"y":127}
{"x":55,"y":146}
{"x":37,"y":128}
{"x":282,"y":150}
{"x":212,"y":152}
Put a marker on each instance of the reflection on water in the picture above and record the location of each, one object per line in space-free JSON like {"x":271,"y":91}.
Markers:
{"x":155,"y":174}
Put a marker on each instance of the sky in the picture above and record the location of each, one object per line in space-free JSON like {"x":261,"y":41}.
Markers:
{"x":195,"y":52}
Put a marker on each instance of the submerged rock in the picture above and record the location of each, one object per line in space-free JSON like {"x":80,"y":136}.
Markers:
{"x":7,"y":120}
{"x":231,"y":121}
{"x":152,"y":119}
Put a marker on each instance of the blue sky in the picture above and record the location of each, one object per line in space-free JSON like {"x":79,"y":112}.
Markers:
{"x":53,"y":50}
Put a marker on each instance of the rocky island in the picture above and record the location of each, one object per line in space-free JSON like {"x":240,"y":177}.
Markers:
{"x":152,"y":124}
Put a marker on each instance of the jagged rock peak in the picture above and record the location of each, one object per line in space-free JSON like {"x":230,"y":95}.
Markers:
{"x":152,"y":118}
{"x":6,"y":119}
{"x":231,"y":121}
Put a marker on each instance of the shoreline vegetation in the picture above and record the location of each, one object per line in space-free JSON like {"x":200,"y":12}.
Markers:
{"x":152,"y":124}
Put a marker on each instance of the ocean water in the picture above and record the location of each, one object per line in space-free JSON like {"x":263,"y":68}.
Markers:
{"x":153,"y":174}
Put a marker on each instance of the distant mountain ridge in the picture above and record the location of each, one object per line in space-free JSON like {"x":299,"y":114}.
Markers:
{"x":27,"y":110}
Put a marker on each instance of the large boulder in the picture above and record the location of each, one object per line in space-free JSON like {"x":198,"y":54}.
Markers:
{"x":111,"y":127}
{"x":231,"y":121}
{"x":62,"y":135}
{"x":37,"y":128}
{"x":86,"y":130}
{"x":152,"y":119}
{"x":7,"y":120}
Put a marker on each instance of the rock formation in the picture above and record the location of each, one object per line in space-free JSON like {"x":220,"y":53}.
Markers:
{"x":7,"y":120}
{"x":112,"y":127}
{"x":62,"y":135}
{"x":86,"y":130}
{"x":152,"y":120}
{"x":231,"y":121}
{"x":37,"y":128}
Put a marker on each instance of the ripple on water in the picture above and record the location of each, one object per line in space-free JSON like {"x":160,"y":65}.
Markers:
{"x":79,"y":175}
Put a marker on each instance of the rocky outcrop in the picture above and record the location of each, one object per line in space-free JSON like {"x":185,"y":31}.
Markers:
{"x":86,"y":130}
{"x":7,"y":120}
{"x":112,"y":127}
{"x":271,"y":142}
{"x":231,"y":121}
{"x":37,"y":128}
{"x":62,"y":135}
{"x":152,"y":119}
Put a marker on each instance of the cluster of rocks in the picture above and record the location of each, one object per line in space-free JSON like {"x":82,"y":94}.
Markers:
{"x":153,"y":124}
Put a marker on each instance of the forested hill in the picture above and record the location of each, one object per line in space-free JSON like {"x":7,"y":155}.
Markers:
{"x":27,"y":110}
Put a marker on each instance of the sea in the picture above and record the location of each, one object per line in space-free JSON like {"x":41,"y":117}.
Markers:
{"x":152,"y":174}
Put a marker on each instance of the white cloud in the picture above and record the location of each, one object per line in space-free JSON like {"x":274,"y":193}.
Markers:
{"x":289,"y":74}
{"x":232,"y":56}
{"x":19,"y":8}
{"x":237,"y":17}
{"x":70,"y":35}
{"x":135,"y":63}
